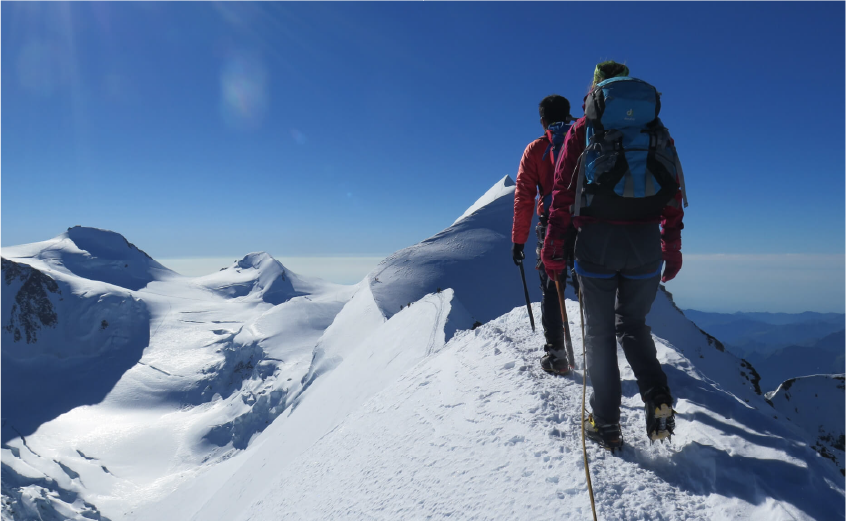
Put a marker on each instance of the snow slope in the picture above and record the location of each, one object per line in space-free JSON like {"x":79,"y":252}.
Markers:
{"x":98,"y":419}
{"x":503,"y":187}
{"x":816,"y":404}
{"x":473,"y":257}
{"x":94,"y":254}
{"x":383,"y":443}
{"x":366,"y":353}
{"x":476,"y":431}
{"x":58,"y":331}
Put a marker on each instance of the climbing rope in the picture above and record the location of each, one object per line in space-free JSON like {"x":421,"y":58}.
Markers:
{"x":584,"y":394}
{"x":561,"y":301}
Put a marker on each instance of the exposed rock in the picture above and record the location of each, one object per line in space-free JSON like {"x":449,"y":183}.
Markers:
{"x":32,"y":309}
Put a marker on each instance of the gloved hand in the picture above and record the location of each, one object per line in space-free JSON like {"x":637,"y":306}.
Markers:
{"x":517,"y":253}
{"x":672,"y":265}
{"x":554,"y":253}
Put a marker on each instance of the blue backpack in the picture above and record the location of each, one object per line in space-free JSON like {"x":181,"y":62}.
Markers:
{"x":630,"y":169}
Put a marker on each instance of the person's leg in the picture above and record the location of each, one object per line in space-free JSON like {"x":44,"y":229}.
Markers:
{"x":634,"y":300}
{"x":598,"y":297}
{"x":553,"y":326}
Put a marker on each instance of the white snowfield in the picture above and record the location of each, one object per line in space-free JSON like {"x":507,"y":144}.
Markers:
{"x":253,"y":393}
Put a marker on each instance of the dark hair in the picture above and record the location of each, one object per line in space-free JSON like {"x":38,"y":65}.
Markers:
{"x":554,"y":108}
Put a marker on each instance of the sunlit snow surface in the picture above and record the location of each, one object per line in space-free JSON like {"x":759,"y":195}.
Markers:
{"x":259,"y":394}
{"x":129,"y":422}
{"x":479,"y":432}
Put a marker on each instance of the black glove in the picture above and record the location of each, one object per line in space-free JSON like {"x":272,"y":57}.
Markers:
{"x":517,"y":253}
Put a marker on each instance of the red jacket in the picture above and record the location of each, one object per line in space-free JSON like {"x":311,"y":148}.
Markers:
{"x":564,"y":194}
{"x":534,"y":172}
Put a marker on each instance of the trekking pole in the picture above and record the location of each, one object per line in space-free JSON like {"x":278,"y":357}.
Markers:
{"x":526,"y":291}
{"x":584,"y":394}
{"x":568,"y":342}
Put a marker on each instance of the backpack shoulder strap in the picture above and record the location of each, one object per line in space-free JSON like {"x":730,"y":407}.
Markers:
{"x":548,"y":145}
{"x":680,"y":173}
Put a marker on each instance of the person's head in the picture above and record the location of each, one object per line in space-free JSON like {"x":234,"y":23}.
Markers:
{"x":554,"y":108}
{"x":608,"y":69}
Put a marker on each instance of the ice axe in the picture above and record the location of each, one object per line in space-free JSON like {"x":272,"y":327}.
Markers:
{"x":526,"y":291}
{"x":568,"y":343}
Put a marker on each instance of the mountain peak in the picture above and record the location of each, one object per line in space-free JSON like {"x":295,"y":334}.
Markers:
{"x":255,"y":260}
{"x":101,"y":243}
{"x":95,"y":254}
{"x":503,"y":187}
{"x":257,"y":275}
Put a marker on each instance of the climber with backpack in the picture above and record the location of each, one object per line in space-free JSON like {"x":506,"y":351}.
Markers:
{"x":617,"y":179}
{"x":534,"y":177}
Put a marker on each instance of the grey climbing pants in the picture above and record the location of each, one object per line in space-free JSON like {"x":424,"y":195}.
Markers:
{"x":619,"y":270}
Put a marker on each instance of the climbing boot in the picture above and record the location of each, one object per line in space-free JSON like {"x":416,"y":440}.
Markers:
{"x":660,"y":417}
{"x":555,"y":364}
{"x":609,"y":436}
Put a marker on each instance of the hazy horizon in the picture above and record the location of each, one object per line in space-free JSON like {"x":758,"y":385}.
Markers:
{"x":708,"y":283}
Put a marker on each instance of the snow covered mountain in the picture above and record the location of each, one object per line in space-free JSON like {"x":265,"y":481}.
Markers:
{"x":826,"y":356}
{"x":95,"y":254}
{"x":112,"y":392}
{"x":752,"y":335}
{"x":473,"y":257}
{"x":261,"y":394}
{"x":816,"y":404}
{"x":257,"y":276}
{"x":58,"y":331}
{"x":479,"y":432}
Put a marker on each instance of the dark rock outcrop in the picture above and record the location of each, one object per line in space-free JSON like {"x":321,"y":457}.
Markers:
{"x":32,"y":309}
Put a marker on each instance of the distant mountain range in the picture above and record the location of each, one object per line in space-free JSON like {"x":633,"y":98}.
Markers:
{"x":780,"y":346}
{"x":748,"y":333}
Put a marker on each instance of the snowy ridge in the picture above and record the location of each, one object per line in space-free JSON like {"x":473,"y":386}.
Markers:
{"x":823,"y":357}
{"x":502,"y":188}
{"x":384,"y":353}
{"x":95,"y":254}
{"x":670,"y":325}
{"x":472,"y":257}
{"x":816,"y":404}
{"x":478,"y":432}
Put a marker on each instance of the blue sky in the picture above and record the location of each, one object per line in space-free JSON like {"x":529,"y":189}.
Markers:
{"x":355,"y":129}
